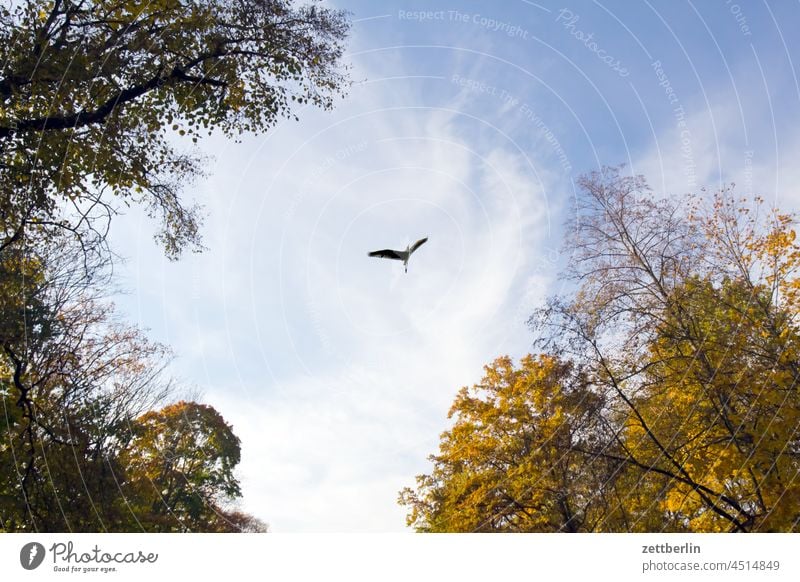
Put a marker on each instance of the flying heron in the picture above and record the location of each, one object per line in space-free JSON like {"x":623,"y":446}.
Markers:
{"x":399,"y":255}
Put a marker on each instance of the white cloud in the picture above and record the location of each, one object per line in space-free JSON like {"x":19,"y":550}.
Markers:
{"x":383,"y":352}
{"x":336,"y":369}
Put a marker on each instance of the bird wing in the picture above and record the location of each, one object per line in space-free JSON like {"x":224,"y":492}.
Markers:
{"x":386,"y":254}
{"x":417,"y":244}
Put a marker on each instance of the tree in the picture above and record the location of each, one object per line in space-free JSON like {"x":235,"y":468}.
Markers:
{"x":70,"y":376}
{"x":687,"y":311}
{"x":77,"y":394}
{"x":95,"y":96}
{"x":101,"y":104}
{"x":180,"y":463}
{"x":683,"y":321}
{"x":733,"y":410}
{"x":506,"y":464}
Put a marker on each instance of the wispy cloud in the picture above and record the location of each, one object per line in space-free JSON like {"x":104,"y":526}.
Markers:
{"x":337,"y":369}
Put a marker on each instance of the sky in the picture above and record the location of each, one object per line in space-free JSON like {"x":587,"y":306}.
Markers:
{"x":468,"y":123}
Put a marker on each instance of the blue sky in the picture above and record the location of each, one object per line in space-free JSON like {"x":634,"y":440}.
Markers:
{"x":468,"y":124}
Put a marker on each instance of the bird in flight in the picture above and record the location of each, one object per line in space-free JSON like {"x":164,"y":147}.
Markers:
{"x":399,"y":255}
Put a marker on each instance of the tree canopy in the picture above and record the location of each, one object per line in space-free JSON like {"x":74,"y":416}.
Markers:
{"x":506,"y":464}
{"x":665,"y":394}
{"x":180,"y":460}
{"x":95,"y":96}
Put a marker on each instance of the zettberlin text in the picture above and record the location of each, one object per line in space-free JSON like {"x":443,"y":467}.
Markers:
{"x":686,"y":548}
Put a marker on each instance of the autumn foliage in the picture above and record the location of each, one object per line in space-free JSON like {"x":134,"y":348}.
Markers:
{"x":95,"y":97}
{"x":90,"y":438}
{"x":181,"y":460}
{"x":665,"y":396}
